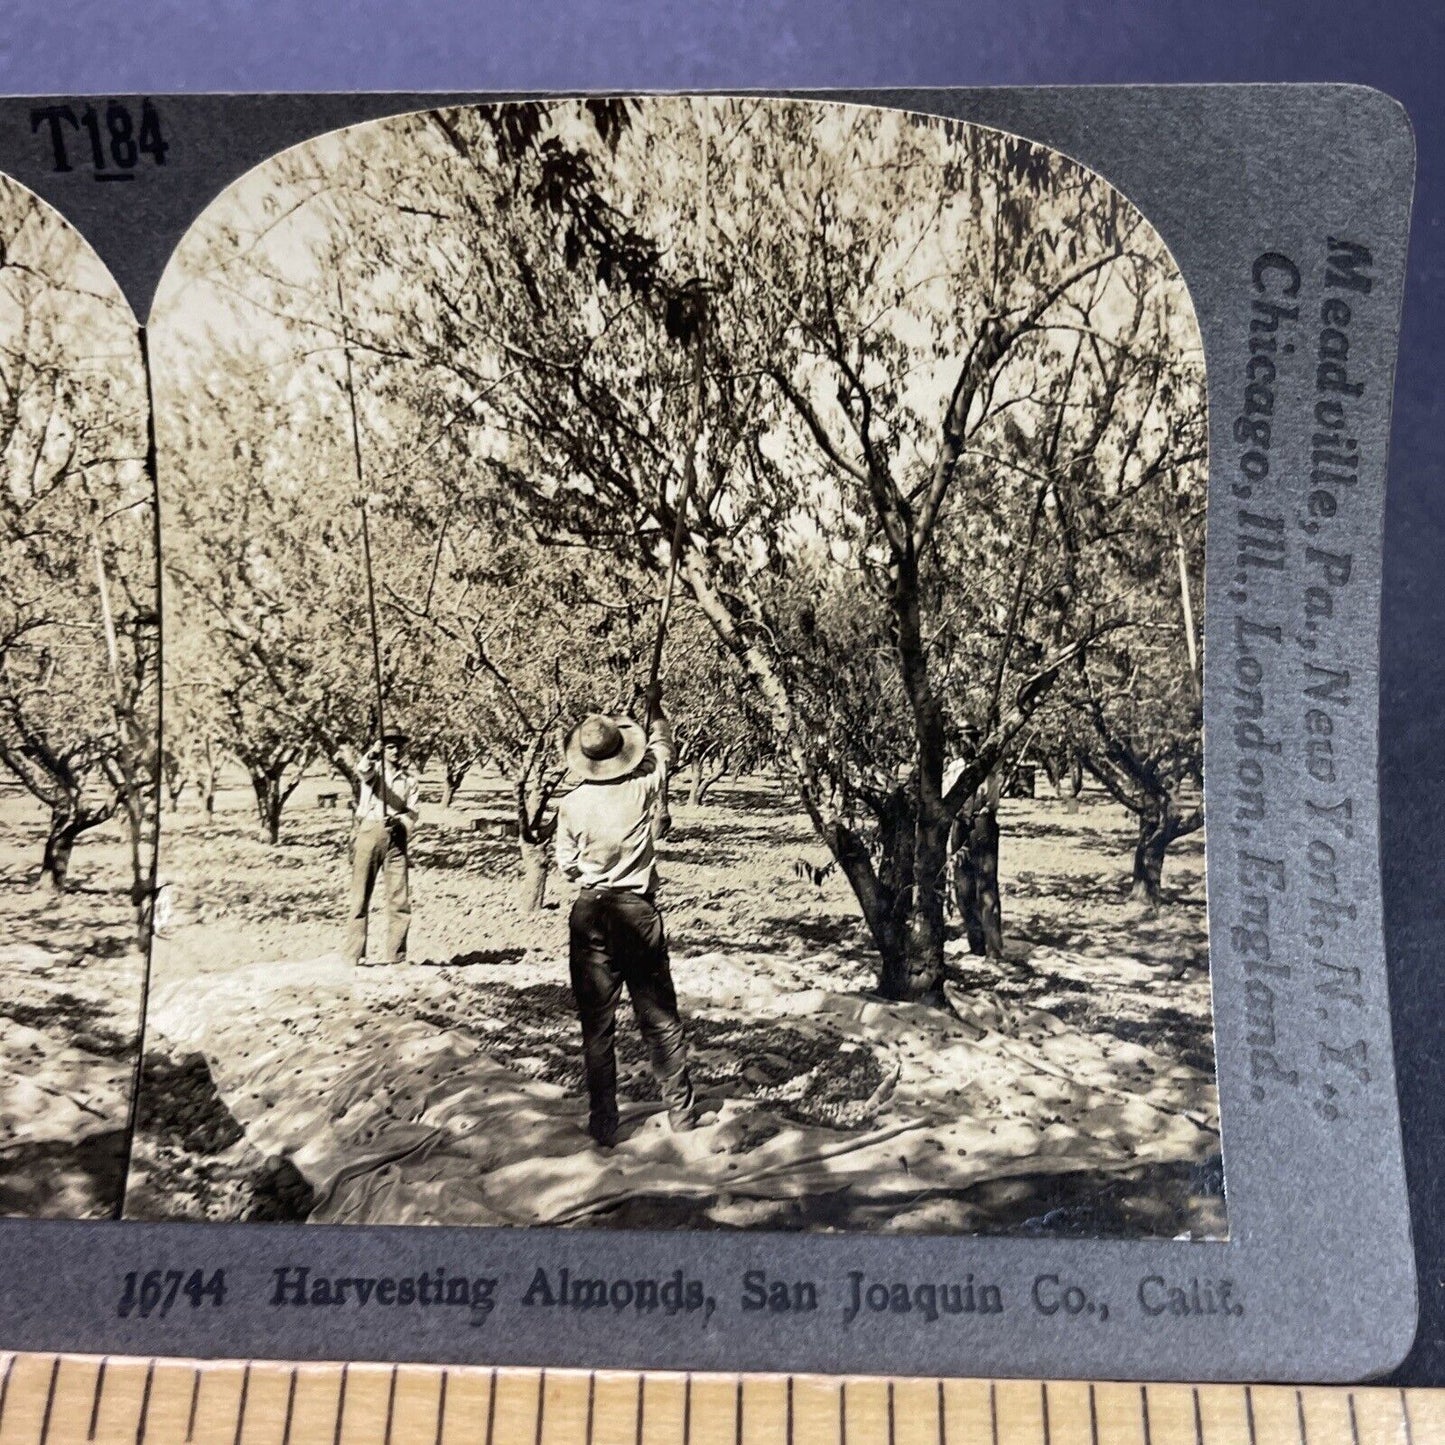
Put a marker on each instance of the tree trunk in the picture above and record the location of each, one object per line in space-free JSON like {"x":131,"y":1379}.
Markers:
{"x":452,"y":782}
{"x":1068,"y":780}
{"x":927,"y":897}
{"x":706,"y":780}
{"x":536,"y":862}
{"x":133,"y":808}
{"x":927,"y":922}
{"x":207,"y":780}
{"x":270,"y":798}
{"x":906,"y":923}
{"x":975,"y":882}
{"x":1157,"y":830}
{"x":534,"y":840}
{"x":694,"y":788}
{"x":878,"y":897}
{"x":1075,"y":784}
{"x":66,"y":826}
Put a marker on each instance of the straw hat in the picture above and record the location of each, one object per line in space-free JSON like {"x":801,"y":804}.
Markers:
{"x":601,"y":748}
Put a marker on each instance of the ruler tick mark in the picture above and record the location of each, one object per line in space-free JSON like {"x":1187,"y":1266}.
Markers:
{"x":993,"y":1411}
{"x":340,"y":1405}
{"x":738,"y":1414}
{"x":790,"y":1410}
{"x":891,"y":1435}
{"x":1354,"y":1423}
{"x":1299,"y":1411}
{"x":591,"y":1401}
{"x":145,"y":1404}
{"x":95,"y":1400}
{"x":1404,"y":1415}
{"x":1044,"y":1407}
{"x":49,"y":1400}
{"x":441,"y":1407}
{"x":195,"y":1400}
{"x":492,"y":1407}
{"x":843,"y":1413}
{"x":686,"y":1410}
{"x":390,"y":1405}
{"x":1198,"y":1419}
{"x":241,"y":1412}
{"x":641,"y":1392}
{"x":290,"y":1408}
{"x":1144,"y":1414}
{"x":942,"y":1421}
{"x":1249,"y":1414}
{"x":1093,"y":1417}
{"x":542,"y":1405}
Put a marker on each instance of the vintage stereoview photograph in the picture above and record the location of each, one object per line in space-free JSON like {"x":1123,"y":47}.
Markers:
{"x":79,"y":700}
{"x":683,"y":685}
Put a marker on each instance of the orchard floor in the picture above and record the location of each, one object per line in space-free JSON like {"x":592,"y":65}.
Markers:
{"x":1068,"y":1090}
{"x":70,"y":984}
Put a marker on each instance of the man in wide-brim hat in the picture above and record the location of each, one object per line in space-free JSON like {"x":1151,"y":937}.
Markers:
{"x":615,"y":932}
{"x":386,"y":813}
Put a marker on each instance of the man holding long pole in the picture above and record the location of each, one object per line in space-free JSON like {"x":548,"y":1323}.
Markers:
{"x":615,"y":932}
{"x":386,"y":813}
{"x":607,"y":831}
{"x":388,"y":793}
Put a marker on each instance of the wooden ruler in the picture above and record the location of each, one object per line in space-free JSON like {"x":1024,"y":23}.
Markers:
{"x":60,"y":1399}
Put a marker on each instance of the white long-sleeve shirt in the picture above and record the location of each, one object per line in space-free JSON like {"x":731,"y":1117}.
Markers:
{"x":604,"y":830}
{"x":403,"y":794}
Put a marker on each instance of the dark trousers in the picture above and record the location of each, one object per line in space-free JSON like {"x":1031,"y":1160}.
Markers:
{"x":379,"y":849}
{"x":615,"y":937}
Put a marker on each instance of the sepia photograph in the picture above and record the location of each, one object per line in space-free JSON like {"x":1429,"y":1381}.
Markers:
{"x":79,"y":700}
{"x":682,"y":685}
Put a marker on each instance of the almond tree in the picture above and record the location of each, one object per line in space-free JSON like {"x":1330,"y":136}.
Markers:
{"x":78,"y":624}
{"x":1140,"y":539}
{"x":1143,"y":698}
{"x":828,"y":363}
{"x":265,"y":601}
{"x":859,"y":472}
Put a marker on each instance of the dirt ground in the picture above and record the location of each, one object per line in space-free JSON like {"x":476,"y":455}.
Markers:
{"x":1069,"y":1090}
{"x":70,"y":985}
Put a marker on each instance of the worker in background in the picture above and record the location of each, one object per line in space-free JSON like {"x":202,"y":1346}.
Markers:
{"x":386,"y":813}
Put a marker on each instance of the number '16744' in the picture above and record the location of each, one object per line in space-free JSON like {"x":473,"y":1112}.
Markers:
{"x":155,"y":1291}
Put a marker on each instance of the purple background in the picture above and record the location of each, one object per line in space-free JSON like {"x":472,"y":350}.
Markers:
{"x":85,"y":47}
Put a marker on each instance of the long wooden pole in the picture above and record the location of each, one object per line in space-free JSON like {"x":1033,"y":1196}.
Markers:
{"x":679,"y":525}
{"x":662,"y":820}
{"x":1186,"y":602}
{"x":689,"y":461}
{"x":365,"y":543}
{"x":147,"y":909}
{"x":123,"y":724}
